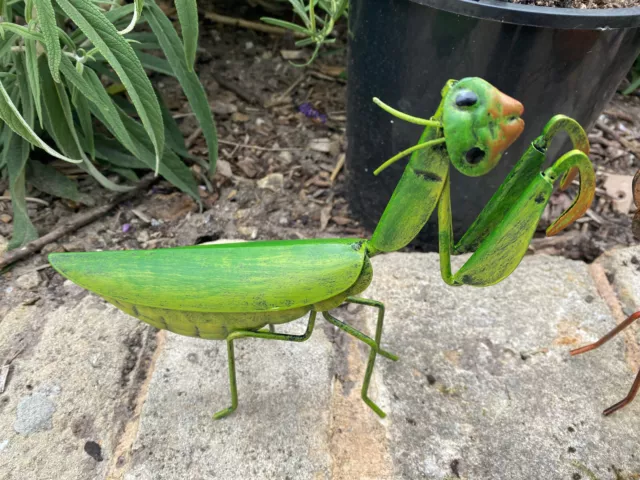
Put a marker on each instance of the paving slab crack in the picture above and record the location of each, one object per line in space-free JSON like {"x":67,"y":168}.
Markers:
{"x":355,"y":431}
{"x":144,"y":369}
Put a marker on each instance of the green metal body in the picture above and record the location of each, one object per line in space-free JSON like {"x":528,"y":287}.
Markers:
{"x":231,"y":291}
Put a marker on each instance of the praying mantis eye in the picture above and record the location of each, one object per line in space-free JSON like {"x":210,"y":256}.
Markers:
{"x":466,"y":98}
{"x":474,"y":155}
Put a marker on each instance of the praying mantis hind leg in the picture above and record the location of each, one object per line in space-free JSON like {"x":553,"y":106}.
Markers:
{"x":375,"y":346}
{"x":266,"y":335}
{"x":636,"y":384}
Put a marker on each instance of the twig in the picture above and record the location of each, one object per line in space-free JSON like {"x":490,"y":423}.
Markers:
{"x":292,"y":86}
{"x":239,"y":22}
{"x":28,"y":199}
{"x":74,"y":224}
{"x":193,"y":137}
{"x":255,"y":147}
{"x":623,"y":141}
{"x":601,"y":140}
{"x":338,"y":167}
{"x":620,"y":115}
{"x":322,"y":76}
{"x":239,"y":91}
{"x":4,"y":375}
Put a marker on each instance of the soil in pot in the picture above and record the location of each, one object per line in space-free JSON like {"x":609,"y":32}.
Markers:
{"x":580,"y":3}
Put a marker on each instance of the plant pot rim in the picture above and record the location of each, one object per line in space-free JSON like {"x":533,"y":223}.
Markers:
{"x":546,"y":17}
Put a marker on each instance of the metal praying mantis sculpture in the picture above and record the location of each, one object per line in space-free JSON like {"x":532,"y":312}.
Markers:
{"x":630,"y":319}
{"x":232,"y":291}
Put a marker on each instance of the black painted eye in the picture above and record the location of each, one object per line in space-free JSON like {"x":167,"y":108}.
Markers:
{"x":474,"y":155}
{"x":466,"y":98}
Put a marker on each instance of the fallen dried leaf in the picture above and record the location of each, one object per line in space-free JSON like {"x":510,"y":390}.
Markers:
{"x":273,"y":181}
{"x":292,"y":54}
{"x":325,"y":216}
{"x":240,"y":117}
{"x":322,"y":145}
{"x":224,"y":168}
{"x":249,"y":167}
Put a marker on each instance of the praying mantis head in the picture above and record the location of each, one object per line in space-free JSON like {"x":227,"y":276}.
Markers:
{"x":478,"y":121}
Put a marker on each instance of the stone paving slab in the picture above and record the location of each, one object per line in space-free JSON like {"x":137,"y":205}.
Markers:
{"x":484,"y":389}
{"x":278,"y":430}
{"x":69,"y":390}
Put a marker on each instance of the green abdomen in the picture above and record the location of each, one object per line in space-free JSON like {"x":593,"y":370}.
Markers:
{"x":208,"y":325}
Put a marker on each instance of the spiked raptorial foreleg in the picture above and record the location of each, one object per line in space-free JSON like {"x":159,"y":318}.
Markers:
{"x":503,"y":248}
{"x":636,"y":384}
{"x":266,"y":335}
{"x":520,"y":177}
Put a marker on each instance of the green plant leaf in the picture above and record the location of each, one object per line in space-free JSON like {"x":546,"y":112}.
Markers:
{"x":49,"y":27}
{"x":88,"y":84}
{"x":122,"y":58}
{"x":126,"y":173}
{"x":116,"y":16}
{"x":143,"y":41}
{"x":33,"y":77}
{"x":632,"y":87}
{"x":172,"y":48}
{"x":84,"y":117}
{"x":172,"y":134}
{"x":20,"y":30}
{"x":171,"y":168}
{"x":11,"y":116}
{"x":287,"y":25}
{"x":110,"y":151}
{"x":49,"y":180}
{"x":26,"y":99}
{"x":59,"y":122}
{"x":137,"y":11}
{"x":188,"y":17}
{"x":16,"y":154}
{"x":300,"y":9}
{"x":154,"y":63}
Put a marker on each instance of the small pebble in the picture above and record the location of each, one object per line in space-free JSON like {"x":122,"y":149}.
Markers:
{"x":28,"y":281}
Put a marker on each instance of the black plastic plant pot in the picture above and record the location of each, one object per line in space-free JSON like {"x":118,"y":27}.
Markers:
{"x":553,"y":60}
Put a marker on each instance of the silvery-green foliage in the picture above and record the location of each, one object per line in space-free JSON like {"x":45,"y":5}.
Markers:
{"x":72,"y":73}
